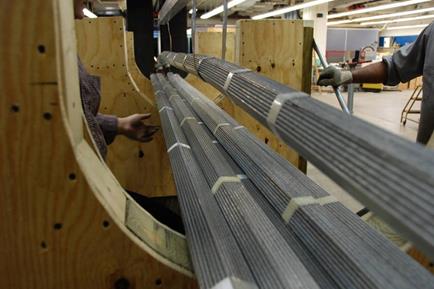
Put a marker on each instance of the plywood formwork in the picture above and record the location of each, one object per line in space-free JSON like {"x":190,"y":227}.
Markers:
{"x":279,"y":49}
{"x":103,"y":49}
{"x":63,"y":215}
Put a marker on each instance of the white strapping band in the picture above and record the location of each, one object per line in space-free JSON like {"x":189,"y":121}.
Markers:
{"x":231,"y":74}
{"x":242,"y":177}
{"x":165,"y":107}
{"x":238,"y":127}
{"x":222,"y":180}
{"x":219,"y":125}
{"x":233,"y":283}
{"x":276,"y":106}
{"x":297,"y":202}
{"x":176,"y":145}
{"x":326,"y":200}
{"x":214,"y":141}
{"x":183,"y":61}
{"x":185,"y":119}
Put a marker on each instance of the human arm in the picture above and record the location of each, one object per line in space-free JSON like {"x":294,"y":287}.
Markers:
{"x":133,"y":127}
{"x":404,"y":65}
{"x":374,"y":73}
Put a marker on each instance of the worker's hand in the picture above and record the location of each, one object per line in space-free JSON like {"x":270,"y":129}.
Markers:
{"x":133,"y":127}
{"x":334,"y":77}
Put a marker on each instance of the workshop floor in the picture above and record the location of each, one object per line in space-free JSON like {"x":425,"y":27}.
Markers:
{"x":381,"y":109}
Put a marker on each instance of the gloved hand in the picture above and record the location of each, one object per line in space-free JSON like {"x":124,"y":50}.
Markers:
{"x":334,"y":77}
{"x":133,"y":127}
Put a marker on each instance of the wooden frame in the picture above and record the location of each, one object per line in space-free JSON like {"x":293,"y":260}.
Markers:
{"x":65,"y":222}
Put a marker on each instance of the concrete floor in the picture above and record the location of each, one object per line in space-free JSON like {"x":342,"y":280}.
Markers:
{"x":381,"y":109}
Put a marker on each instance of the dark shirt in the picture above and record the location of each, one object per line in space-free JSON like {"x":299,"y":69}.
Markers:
{"x":102,"y":127}
{"x":413,"y":60}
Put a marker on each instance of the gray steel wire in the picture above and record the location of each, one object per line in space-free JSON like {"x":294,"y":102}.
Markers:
{"x":356,"y":256}
{"x":214,"y":252}
{"x":391,"y":176}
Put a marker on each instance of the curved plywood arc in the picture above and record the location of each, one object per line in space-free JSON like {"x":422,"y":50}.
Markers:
{"x":140,"y":167}
{"x":142,"y":82}
{"x":63,"y":215}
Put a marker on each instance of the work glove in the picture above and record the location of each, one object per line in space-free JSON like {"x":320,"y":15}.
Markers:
{"x":334,"y":77}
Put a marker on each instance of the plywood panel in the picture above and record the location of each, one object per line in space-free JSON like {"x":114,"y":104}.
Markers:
{"x":61,"y":210}
{"x":139,"y":167}
{"x":210,"y":43}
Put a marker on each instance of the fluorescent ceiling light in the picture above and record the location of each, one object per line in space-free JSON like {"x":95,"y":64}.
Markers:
{"x":398,"y":14}
{"x":290,"y":9}
{"x":220,"y":9}
{"x":407,"y":27}
{"x":188,"y":31}
{"x":88,"y":13}
{"x":376,"y":8}
{"x":191,"y":11}
{"x":398,"y":20}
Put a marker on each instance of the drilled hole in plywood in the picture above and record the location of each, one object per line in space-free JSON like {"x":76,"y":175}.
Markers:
{"x":266,"y":140}
{"x":15,"y":108}
{"x":57,"y":226}
{"x":44,"y":245}
{"x":72,"y":176}
{"x":41,"y":48}
{"x":158,"y":282}
{"x":258,"y":68}
{"x":141,"y":154}
{"x":105,"y":224}
{"x":47,"y":116}
{"x":273,"y":65}
{"x":122,"y":283}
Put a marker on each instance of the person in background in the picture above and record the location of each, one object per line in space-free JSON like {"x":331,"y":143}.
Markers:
{"x":104,"y":128}
{"x":410,"y":61}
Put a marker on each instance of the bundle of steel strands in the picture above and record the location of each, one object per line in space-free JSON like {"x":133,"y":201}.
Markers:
{"x":216,"y":257}
{"x":355,"y":255}
{"x":271,"y":259}
{"x":391,"y":176}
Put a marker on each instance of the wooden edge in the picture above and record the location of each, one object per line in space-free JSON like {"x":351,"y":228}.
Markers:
{"x":103,"y":184}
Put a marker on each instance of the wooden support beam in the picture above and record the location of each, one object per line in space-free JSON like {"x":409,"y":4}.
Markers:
{"x":62,"y":212}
